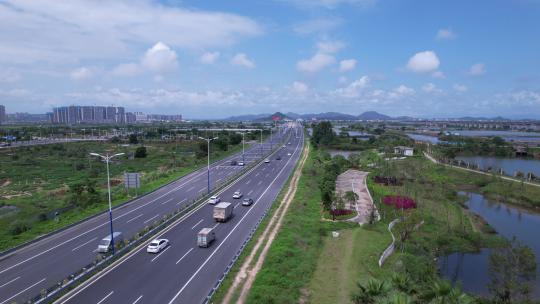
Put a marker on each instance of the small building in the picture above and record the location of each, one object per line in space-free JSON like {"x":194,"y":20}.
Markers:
{"x":402,"y":150}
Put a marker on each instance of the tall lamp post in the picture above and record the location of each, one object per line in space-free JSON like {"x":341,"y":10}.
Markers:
{"x":261,"y":144}
{"x":243,"y":150}
{"x":208,"y":140}
{"x":107,"y":158}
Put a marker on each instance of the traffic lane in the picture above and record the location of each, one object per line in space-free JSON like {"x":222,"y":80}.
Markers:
{"x":212,"y":268}
{"x":59,"y":273}
{"x":175,"y":237}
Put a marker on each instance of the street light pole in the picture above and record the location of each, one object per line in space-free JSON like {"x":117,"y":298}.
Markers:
{"x":243,"y":142}
{"x":261,"y":145}
{"x":107,"y":158}
{"x":208,"y":140}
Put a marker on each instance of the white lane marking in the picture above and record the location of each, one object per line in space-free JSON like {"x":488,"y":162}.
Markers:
{"x":218,"y":180}
{"x":260,"y":182}
{"x":190,"y":188}
{"x":105,"y":298}
{"x":180,"y":202}
{"x":197,"y":224}
{"x":203,"y":189}
{"x":138,"y":216}
{"x":134,"y":302}
{"x":148,"y":220}
{"x":267,"y":174}
{"x":249,"y":181}
{"x":165,"y":202}
{"x":18,"y":293}
{"x":257,"y":174}
{"x":157,"y":256}
{"x":238,"y":204}
{"x":185,"y":254}
{"x":5,"y":284}
{"x":250,"y":191}
{"x":263,"y":169}
{"x":217,"y":224}
{"x":83,"y":244}
{"x":230,"y":233}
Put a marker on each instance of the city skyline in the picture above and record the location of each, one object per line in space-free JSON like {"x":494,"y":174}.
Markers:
{"x":421,"y":59}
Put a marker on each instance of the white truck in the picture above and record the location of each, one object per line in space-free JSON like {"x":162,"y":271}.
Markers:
{"x":205,"y":237}
{"x":223,"y":211}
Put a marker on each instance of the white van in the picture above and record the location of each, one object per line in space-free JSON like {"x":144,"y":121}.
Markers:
{"x":105,"y":245}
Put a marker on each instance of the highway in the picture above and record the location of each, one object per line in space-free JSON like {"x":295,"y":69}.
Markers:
{"x":183,"y":272}
{"x":42,"y":264}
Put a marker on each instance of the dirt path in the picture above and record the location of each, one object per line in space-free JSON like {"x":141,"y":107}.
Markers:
{"x":433,"y":160}
{"x":246,"y":275}
{"x":355,"y":180}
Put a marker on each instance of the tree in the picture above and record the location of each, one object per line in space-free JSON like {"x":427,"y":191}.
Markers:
{"x":133,"y":139}
{"x":441,"y":292}
{"x":350,"y":197}
{"x":235,"y":139}
{"x":322,"y":134}
{"x":370,"y":292}
{"x":140,"y":152}
{"x":513,"y":272}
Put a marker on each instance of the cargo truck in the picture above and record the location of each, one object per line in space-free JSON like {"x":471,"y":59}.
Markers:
{"x":205,"y":237}
{"x":223,"y":211}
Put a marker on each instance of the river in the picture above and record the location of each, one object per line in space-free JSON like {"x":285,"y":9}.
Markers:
{"x":471,"y":269}
{"x":509,"y":165}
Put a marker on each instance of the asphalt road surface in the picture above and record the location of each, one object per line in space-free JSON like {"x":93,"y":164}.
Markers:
{"x":183,"y":272}
{"x":40,"y":265}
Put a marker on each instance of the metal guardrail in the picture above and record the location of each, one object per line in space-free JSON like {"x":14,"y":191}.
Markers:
{"x":78,"y":277}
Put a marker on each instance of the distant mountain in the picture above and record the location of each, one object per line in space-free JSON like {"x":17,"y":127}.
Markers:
{"x":482,"y":118}
{"x":247,"y":117}
{"x":372,"y":115}
{"x":328,"y":116}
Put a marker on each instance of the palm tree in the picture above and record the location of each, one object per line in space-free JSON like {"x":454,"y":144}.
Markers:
{"x":400,"y":299}
{"x":441,"y":292}
{"x":350,"y":197}
{"x":368,"y":294}
{"x":403,"y":283}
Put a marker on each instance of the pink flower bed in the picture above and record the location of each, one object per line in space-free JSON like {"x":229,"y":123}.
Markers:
{"x":399,"y":202}
{"x":338,"y":212}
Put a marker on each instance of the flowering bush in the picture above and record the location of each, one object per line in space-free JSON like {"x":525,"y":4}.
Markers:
{"x":399,"y":202}
{"x":338,"y":212}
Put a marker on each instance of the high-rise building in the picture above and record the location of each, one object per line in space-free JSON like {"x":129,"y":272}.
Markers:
{"x":130,"y":118}
{"x":110,"y":114}
{"x":89,"y":114}
{"x":99,"y":114}
{"x":2,"y":114}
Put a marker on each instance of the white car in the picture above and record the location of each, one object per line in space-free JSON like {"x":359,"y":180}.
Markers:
{"x":289,"y":154}
{"x":284,"y":146}
{"x":240,"y":163}
{"x":267,"y":160}
{"x":237,"y":194}
{"x":157,"y":245}
{"x":214,"y":200}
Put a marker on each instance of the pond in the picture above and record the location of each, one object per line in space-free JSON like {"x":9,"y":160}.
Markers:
{"x":425,"y":138}
{"x":507,"y":135}
{"x":471,"y":269}
{"x":509,"y":165}
{"x":343,"y":153}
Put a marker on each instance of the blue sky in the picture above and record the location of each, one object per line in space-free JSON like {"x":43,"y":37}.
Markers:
{"x":211,"y":59}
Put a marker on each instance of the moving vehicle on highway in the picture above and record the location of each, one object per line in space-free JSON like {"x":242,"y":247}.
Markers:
{"x":205,"y":237}
{"x":278,"y":157}
{"x":241,"y":163}
{"x":247,"y":202}
{"x":157,"y":245}
{"x":289,"y":154}
{"x":214,"y":199}
{"x":237,"y":194}
{"x":267,"y":161}
{"x":106,"y":243}
{"x":234,"y":163}
{"x":223,"y":211}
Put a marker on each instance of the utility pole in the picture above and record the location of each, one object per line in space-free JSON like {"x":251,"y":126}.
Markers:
{"x":208,"y":140}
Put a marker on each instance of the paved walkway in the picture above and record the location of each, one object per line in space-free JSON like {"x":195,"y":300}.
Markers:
{"x":354,"y":180}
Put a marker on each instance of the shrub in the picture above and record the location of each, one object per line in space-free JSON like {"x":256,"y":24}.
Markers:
{"x":18,"y":227}
{"x":399,"y":202}
{"x":140,"y":152}
{"x":338,"y":212}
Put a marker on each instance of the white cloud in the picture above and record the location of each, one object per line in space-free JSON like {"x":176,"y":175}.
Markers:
{"x":299,"y":87}
{"x":438,"y":75}
{"x":423,"y":62}
{"x":317,"y":26}
{"x":342,"y":79}
{"x":82,"y":73}
{"x":477,"y":69}
{"x":53,"y":31}
{"x":355,"y":88}
{"x":446,"y":34}
{"x":404,"y":90}
{"x":160,"y":58}
{"x":209,"y":57}
{"x":431,"y":88}
{"x":127,"y":70}
{"x":347,"y":65}
{"x":330,"y":46}
{"x":316,"y":63}
{"x":9,"y":76}
{"x":241,"y":59}
{"x":460,"y":87}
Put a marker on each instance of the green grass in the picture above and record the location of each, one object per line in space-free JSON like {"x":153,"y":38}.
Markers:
{"x":45,"y":171}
